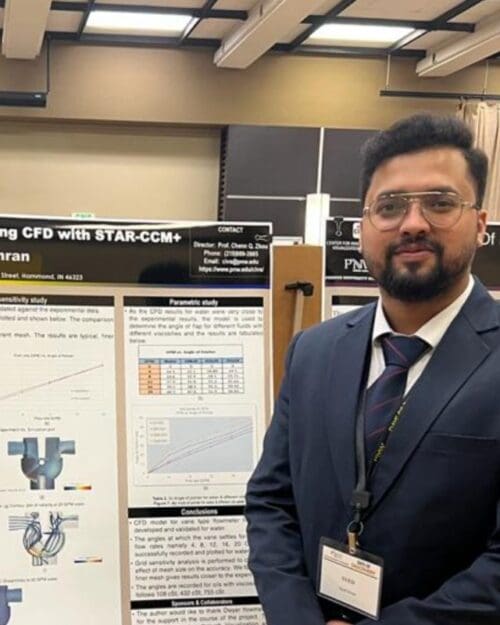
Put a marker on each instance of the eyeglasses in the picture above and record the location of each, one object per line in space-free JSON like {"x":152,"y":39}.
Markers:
{"x":440,"y":209}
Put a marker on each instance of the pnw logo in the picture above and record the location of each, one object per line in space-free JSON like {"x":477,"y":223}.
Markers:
{"x":356,"y":265}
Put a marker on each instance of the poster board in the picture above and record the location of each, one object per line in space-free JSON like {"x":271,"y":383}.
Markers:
{"x":135,"y":393}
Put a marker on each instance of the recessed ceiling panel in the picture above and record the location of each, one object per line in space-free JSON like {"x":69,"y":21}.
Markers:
{"x":213,"y":28}
{"x":360,"y":35}
{"x":399,"y":9}
{"x":183,"y":4}
{"x":433,"y":40}
{"x":341,"y":43}
{"x":64,"y":21}
{"x":478,"y":12}
{"x":136,"y":24}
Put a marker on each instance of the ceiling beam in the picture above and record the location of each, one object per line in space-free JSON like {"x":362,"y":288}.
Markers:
{"x":217,"y":14}
{"x":24,"y":28}
{"x":85,"y":17}
{"x":453,"y":56}
{"x":347,"y":51}
{"x":67,"y":6}
{"x":224,"y":14}
{"x":144,"y":41}
{"x":268,"y":22}
{"x":205,"y":9}
{"x":467,"y":27}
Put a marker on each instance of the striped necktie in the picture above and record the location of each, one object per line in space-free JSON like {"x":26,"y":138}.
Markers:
{"x":385,"y":395}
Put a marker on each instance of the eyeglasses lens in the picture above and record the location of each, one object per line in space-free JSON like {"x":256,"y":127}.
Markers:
{"x":442,"y":210}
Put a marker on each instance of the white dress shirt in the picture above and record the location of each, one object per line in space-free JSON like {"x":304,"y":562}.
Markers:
{"x":431,"y":332}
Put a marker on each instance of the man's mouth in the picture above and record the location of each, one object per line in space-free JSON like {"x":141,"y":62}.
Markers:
{"x":414,"y":251}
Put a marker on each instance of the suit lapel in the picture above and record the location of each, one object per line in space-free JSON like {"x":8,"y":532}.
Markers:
{"x":345,"y":387}
{"x":460,"y":352}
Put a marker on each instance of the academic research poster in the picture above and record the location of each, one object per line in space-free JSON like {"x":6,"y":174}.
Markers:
{"x":135,"y":390}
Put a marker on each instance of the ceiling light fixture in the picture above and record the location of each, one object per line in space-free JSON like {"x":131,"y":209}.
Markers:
{"x":133,"y":22}
{"x":360,"y":33}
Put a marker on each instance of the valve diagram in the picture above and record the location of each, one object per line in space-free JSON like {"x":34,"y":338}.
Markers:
{"x":43,"y":546}
{"x":41,"y":471}
{"x":7,"y":596}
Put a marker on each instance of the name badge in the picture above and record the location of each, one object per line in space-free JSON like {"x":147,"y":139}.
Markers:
{"x":353,"y":580}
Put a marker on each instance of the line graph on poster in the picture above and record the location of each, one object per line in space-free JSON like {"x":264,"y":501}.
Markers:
{"x":194,"y":445}
{"x":34,"y":379}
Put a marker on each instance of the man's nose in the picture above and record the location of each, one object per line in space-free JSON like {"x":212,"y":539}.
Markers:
{"x":414,"y":220}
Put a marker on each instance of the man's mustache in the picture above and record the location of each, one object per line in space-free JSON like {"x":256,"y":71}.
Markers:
{"x":412,"y":244}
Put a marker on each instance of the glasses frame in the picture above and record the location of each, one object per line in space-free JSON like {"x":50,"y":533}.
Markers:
{"x":410,"y":197}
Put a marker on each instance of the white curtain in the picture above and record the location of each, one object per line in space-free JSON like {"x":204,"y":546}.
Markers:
{"x":483,"y":118}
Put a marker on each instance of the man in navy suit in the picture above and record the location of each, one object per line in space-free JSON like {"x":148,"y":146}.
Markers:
{"x":420,"y":490}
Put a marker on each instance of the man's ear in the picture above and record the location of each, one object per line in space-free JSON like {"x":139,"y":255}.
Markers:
{"x":482,"y":218}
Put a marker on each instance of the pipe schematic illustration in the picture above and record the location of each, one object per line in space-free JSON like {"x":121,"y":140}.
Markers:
{"x":43,"y":546}
{"x":41,"y":471}
{"x":8,"y":595}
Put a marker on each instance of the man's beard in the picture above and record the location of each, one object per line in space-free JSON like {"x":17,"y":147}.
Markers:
{"x":408,"y":285}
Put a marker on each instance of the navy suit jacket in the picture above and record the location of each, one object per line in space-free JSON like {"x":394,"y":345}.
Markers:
{"x":435,"y":517}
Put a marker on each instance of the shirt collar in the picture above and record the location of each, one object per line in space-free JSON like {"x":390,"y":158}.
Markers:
{"x":433,"y":330}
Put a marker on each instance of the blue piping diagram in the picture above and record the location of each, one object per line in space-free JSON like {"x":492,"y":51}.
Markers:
{"x":8,"y":595}
{"x":41,"y":471}
{"x":43,"y":546}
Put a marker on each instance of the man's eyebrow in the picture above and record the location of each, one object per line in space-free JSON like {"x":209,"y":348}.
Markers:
{"x":443,"y":189}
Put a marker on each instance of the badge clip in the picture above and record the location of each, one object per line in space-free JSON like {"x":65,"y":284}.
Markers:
{"x":352,"y":542}
{"x":354,"y":531}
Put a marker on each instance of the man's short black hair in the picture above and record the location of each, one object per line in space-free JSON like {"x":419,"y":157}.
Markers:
{"x":418,"y":133}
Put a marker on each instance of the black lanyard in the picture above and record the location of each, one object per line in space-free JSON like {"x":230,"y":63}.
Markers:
{"x":361,"y":495}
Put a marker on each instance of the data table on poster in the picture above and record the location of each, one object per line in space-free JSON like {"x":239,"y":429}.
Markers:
{"x":179,"y":371}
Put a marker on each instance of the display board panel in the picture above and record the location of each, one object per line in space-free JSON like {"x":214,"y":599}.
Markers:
{"x":136,"y":390}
